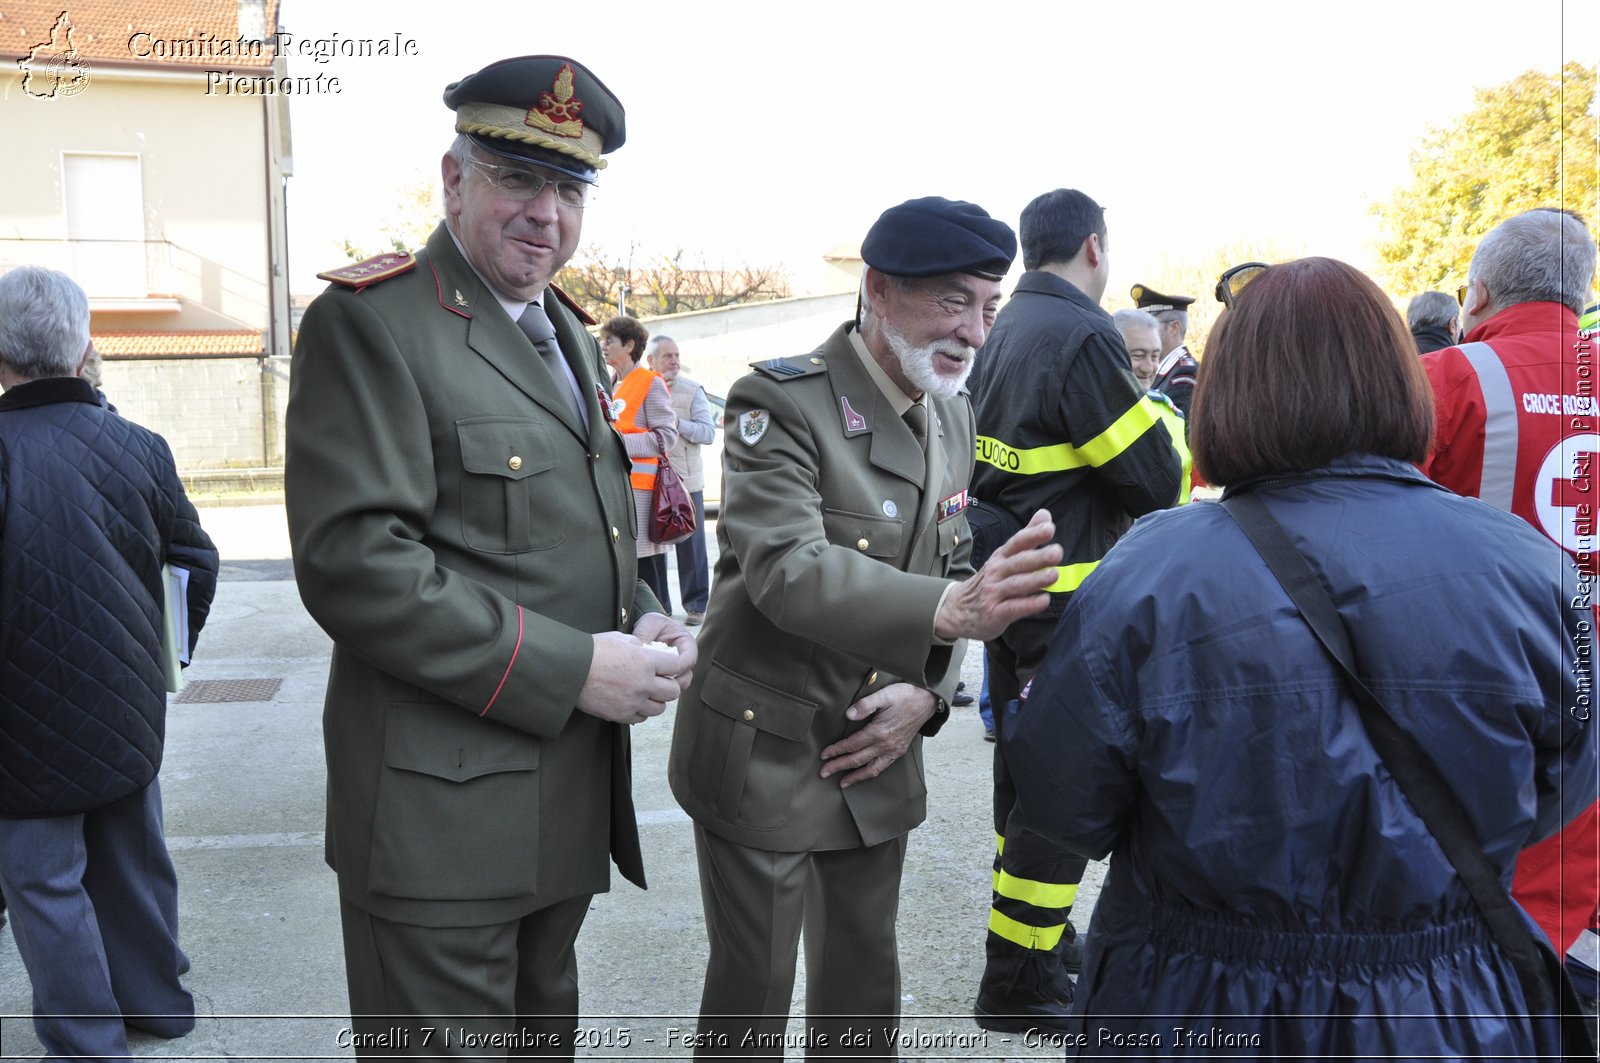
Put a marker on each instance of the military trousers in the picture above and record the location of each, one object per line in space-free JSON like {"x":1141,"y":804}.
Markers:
{"x":757,"y":905}
{"x":504,"y":991}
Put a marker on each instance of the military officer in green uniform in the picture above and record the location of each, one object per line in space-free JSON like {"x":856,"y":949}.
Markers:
{"x":463,"y":529}
{"x":834,"y":636}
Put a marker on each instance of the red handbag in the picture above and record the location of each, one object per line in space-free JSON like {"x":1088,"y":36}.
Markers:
{"x":671,"y":508}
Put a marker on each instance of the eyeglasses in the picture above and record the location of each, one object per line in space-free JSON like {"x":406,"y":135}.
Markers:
{"x":1461,"y":295}
{"x":1232,"y":282}
{"x":514,"y":182}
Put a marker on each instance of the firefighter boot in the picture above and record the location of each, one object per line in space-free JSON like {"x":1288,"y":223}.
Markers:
{"x":1024,"y":989}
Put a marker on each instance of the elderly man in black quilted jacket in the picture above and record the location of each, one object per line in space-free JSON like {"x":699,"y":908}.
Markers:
{"x":90,"y":511}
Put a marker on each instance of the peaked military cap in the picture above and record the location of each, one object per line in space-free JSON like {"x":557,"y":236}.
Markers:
{"x":933,"y":235}
{"x":544,"y":109}
{"x":1152,"y":301}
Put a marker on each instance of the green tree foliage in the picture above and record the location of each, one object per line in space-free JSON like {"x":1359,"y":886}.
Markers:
{"x":1528,"y":143}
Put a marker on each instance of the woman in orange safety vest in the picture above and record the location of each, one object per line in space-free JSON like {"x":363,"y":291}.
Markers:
{"x":642,"y":412}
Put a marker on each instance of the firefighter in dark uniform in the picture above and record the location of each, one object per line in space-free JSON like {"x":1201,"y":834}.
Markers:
{"x":1063,"y":425}
{"x":1176,"y":374}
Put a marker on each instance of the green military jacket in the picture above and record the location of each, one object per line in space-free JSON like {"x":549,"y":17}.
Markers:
{"x":459,"y":535}
{"x":838,"y":536}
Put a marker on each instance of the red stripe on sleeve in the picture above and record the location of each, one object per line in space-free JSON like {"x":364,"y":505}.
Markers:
{"x":509,"y":663}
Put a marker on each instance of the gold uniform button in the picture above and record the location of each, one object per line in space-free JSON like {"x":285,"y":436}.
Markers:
{"x":615,"y":535}
{"x":596,"y":456}
{"x":871,"y":679}
{"x":515,"y":463}
{"x":816,"y":361}
{"x":862,"y":544}
{"x":955,"y":540}
{"x":749,"y":714}
{"x":624,"y":618}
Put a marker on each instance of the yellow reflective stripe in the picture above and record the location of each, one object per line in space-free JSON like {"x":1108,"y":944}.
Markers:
{"x":1000,"y":843}
{"x":1069,"y":576}
{"x":1058,"y":457}
{"x":1177,"y":428}
{"x":1038,"y":894}
{"x":1139,"y":419}
{"x":1042,"y":938}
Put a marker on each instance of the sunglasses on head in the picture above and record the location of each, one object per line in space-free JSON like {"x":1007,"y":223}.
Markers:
{"x":1233,"y":281}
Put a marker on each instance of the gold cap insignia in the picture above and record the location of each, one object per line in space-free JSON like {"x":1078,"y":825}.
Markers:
{"x":558,"y":110}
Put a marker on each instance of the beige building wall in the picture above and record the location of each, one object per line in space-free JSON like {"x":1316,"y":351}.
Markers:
{"x":202,"y":161}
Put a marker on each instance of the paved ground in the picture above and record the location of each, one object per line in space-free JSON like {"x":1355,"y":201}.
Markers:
{"x":243,"y":785}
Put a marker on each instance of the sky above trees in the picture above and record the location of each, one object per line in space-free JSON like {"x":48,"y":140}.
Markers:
{"x":768,"y":135}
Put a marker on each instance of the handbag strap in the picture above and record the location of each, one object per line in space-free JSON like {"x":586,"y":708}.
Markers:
{"x":1417,"y":776}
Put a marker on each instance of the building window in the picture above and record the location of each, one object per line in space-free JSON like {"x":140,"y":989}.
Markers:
{"x":105,"y":224}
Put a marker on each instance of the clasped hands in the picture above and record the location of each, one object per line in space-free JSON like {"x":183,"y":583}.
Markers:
{"x":629,"y":681}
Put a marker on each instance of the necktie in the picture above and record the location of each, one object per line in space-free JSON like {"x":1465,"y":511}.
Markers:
{"x":917,"y":419}
{"x":535,"y":324}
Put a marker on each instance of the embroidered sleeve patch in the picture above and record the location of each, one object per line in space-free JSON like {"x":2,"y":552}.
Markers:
{"x":753,"y":425}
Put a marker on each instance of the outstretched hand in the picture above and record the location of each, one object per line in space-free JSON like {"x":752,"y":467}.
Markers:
{"x":1010,"y":585}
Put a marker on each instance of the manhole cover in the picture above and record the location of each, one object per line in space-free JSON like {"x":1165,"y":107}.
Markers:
{"x":212,"y":691}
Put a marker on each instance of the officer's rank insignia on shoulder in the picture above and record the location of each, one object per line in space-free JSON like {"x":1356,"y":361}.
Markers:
{"x":753,"y":425}
{"x":782,"y":369}
{"x":371,"y":271}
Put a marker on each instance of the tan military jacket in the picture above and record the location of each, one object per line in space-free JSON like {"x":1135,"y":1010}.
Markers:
{"x":835,"y":550}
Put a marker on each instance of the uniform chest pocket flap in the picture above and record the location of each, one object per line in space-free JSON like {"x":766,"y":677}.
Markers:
{"x":502,"y":459}
{"x":762,"y":707}
{"x":868,"y":533}
{"x":746,"y":764}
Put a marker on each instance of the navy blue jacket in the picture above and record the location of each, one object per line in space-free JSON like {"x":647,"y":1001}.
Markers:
{"x":1268,"y":881}
{"x":90,"y":509}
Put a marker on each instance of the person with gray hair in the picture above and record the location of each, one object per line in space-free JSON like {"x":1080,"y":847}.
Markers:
{"x":1178,"y":371}
{"x":1517,"y":427}
{"x":696,"y":428}
{"x":91,"y":509}
{"x":1141,"y":335}
{"x":1434,"y":319}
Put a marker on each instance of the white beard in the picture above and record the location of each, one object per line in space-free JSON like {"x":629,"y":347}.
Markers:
{"x":917,"y":363}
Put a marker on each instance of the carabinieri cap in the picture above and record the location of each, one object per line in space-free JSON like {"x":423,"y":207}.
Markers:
{"x":1152,"y":301}
{"x":544,"y":109}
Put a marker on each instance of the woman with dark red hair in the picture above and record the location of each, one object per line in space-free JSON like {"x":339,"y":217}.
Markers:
{"x":1273,"y":890}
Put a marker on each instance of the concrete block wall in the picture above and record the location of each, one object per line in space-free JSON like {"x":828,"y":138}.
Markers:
{"x":209,"y":410}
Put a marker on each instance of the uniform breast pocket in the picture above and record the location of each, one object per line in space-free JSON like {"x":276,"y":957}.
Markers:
{"x":872,"y":535}
{"x":509,"y":498}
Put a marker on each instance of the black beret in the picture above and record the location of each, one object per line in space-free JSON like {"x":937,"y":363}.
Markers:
{"x":933,"y":235}
{"x":1148,"y":299}
{"x":546,"y":109}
